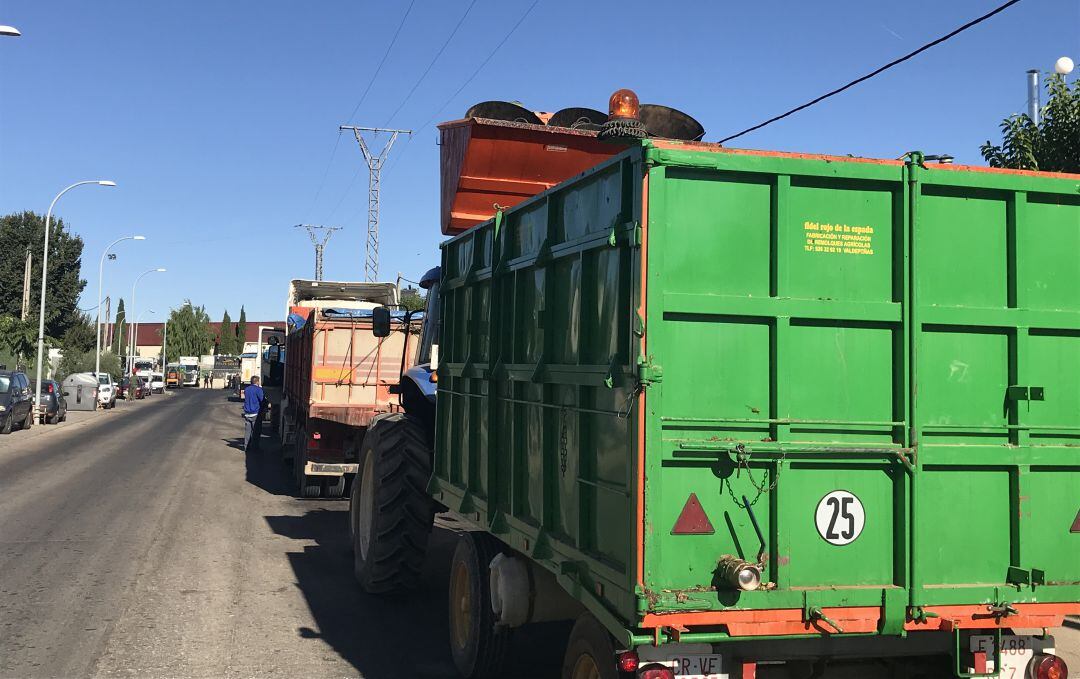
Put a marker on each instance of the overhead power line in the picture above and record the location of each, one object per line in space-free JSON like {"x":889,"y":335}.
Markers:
{"x":884,"y":68}
{"x":337,"y":142}
{"x":468,"y":80}
{"x":488,"y":58}
{"x":381,"y":61}
{"x":432,"y":64}
{"x":326,"y":172}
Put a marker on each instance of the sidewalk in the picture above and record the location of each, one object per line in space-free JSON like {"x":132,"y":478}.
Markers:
{"x":77,"y":419}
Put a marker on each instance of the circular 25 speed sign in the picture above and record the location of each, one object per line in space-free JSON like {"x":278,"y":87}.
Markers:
{"x":840,"y":517}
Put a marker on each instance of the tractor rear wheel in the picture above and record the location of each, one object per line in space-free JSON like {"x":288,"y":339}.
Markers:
{"x":390,"y":510}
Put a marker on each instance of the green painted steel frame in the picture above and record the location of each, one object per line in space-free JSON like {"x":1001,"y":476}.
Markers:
{"x":917,"y":568}
{"x":484,"y":270}
{"x":488,"y":389}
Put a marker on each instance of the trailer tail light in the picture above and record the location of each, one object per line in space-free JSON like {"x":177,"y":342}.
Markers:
{"x":1049,"y":667}
{"x":316,"y":435}
{"x":628,"y":661}
{"x":655,"y":671}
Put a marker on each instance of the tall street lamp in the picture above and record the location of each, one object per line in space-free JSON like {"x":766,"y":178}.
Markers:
{"x":44,"y":278}
{"x":133,"y":328}
{"x":101,"y":270}
{"x":135,"y":344}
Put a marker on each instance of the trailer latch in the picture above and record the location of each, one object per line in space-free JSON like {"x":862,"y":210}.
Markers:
{"x":1002,"y":610}
{"x":813,"y":613}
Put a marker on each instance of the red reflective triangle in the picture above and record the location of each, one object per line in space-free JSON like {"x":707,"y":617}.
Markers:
{"x":1076,"y":524}
{"x":692,"y":520}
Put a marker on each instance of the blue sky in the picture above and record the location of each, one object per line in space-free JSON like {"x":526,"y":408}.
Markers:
{"x":218,"y":120}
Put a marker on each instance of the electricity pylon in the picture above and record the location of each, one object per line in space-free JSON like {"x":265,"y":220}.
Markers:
{"x":375,"y":164}
{"x":326,"y":231}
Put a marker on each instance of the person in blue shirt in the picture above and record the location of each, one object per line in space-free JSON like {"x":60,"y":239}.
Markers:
{"x":254,"y":399}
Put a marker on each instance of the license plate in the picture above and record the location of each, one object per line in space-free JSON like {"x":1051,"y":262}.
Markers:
{"x":697,"y":666}
{"x":1016,"y":652}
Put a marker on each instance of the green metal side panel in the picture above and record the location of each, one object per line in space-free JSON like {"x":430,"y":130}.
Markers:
{"x":536,"y":417}
{"x":796,"y":307}
{"x":776,"y":292}
{"x":997,"y":342}
{"x":903,"y":335}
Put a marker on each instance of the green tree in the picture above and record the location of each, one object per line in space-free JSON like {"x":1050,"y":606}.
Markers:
{"x":120,"y":329}
{"x":64,"y":283}
{"x":226,"y":336}
{"x":1051,"y":146}
{"x":241,"y":331}
{"x":75,"y":361}
{"x":412,"y":300}
{"x":18,"y":338}
{"x":189,"y":333}
{"x":80,"y":336}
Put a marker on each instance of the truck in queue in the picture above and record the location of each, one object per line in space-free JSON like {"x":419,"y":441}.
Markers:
{"x":337,"y":377}
{"x":189,"y":367}
{"x":736,"y":413}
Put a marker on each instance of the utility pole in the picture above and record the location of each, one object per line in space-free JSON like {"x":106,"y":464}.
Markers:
{"x":375,"y":164}
{"x":26,"y":285}
{"x":326,"y":232}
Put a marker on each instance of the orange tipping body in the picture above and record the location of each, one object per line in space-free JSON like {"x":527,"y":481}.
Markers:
{"x":487,"y":162}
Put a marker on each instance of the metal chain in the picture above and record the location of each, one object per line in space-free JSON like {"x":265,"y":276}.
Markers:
{"x":742,"y":461}
{"x":563,"y":452}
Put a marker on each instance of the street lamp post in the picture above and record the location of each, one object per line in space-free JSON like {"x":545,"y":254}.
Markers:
{"x":134,"y":327}
{"x":135,"y":344}
{"x":44,"y":279}
{"x":101,"y":272}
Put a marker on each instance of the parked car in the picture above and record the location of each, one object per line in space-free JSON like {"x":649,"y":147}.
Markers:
{"x":53,"y":402}
{"x":130,"y":391}
{"x":16,"y":402}
{"x":106,"y":390}
{"x":157,"y":383}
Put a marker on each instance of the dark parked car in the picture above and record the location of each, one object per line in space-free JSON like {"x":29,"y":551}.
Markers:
{"x":130,"y":393}
{"x":16,"y":401}
{"x":52,"y":399}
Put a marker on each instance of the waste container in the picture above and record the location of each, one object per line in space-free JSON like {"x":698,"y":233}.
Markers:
{"x":80,"y":390}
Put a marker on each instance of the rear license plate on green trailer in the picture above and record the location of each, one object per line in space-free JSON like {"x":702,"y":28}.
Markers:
{"x":697,"y":666}
{"x":1016,"y":653}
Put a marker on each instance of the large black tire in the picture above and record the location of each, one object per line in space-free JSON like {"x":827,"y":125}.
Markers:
{"x":333,"y":486}
{"x":590,"y":646}
{"x":53,"y":419}
{"x":389,"y":508}
{"x":478,"y":647}
{"x":29,"y":421}
{"x":5,"y":427}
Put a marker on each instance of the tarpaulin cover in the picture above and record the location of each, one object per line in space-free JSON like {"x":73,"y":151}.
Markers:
{"x":398,"y":315}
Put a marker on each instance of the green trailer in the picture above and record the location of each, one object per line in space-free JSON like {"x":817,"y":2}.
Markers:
{"x":729,"y":408}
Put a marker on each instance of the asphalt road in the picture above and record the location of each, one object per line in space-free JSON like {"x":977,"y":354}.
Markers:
{"x":147,"y":544}
{"x":142,"y":542}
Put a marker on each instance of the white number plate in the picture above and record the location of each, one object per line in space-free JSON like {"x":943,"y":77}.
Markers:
{"x":1016,"y":652}
{"x":697,"y":666}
